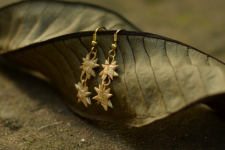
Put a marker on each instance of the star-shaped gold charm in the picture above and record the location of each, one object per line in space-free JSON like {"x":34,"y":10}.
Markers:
{"x":109,"y":70}
{"x":103,"y":97}
{"x":88,"y":66}
{"x":83,"y":94}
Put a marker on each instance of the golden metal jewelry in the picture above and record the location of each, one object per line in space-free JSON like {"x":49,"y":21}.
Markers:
{"x":108,"y":71}
{"x":87,"y":69}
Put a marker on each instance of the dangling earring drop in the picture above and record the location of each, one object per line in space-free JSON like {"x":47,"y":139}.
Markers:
{"x":87,"y":69}
{"x":108,"y":73}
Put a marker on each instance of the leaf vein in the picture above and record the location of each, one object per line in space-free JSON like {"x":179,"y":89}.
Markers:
{"x":178,"y":84}
{"x":150,"y":63}
{"x":198,"y":71}
{"x":24,"y":39}
{"x":136,"y":73}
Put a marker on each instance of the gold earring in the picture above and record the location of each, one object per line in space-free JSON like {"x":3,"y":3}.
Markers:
{"x":108,"y":71}
{"x":87,"y":68}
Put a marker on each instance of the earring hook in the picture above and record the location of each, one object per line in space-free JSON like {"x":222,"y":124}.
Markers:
{"x":94,"y":43}
{"x":115,"y":34}
{"x":114,"y":45}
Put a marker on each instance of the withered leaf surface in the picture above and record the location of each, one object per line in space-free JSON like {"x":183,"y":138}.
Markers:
{"x":158,"y":76}
{"x":29,"y":22}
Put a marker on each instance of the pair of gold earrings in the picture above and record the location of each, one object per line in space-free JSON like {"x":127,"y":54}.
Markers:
{"x":107,"y":73}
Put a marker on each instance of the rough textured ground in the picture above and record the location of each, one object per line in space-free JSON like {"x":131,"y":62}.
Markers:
{"x":33,"y":115}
